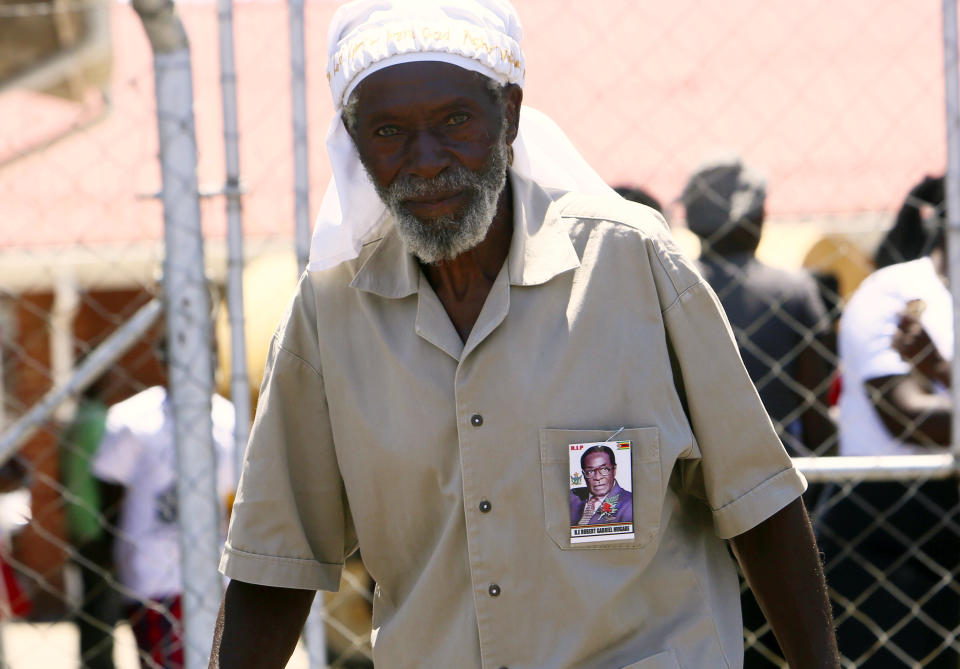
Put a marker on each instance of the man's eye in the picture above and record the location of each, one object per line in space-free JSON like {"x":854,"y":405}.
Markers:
{"x":386,"y":131}
{"x":457,"y":119}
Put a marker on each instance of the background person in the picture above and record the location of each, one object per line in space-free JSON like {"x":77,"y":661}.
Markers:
{"x":91,"y":508}
{"x":778,"y":317}
{"x":138,"y":453}
{"x":15,"y":600}
{"x":891,"y":545}
{"x":914,"y":230}
{"x":639,"y":195}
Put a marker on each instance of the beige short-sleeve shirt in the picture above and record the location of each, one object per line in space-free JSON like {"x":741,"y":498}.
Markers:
{"x":447,"y":461}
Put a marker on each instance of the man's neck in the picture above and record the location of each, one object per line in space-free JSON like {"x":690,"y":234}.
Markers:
{"x":463,"y":283}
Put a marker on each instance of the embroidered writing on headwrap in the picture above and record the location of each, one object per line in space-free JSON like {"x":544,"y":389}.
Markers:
{"x":481,"y":35}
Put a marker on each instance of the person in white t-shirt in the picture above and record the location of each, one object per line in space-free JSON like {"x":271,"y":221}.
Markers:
{"x":138,"y":453}
{"x":886,"y":407}
{"x":895,"y":341}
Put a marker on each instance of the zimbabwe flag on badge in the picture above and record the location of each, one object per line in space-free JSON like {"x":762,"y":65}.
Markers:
{"x":623,"y":445}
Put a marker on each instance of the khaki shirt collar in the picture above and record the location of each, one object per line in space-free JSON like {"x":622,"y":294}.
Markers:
{"x":390,"y":271}
{"x":539,"y":250}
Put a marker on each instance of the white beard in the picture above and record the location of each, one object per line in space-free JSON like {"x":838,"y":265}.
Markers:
{"x":447,"y":237}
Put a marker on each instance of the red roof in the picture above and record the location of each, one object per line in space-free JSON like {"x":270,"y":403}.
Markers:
{"x":840,"y":103}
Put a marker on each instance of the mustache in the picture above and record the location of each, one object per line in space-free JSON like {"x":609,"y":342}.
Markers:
{"x":410,"y":186}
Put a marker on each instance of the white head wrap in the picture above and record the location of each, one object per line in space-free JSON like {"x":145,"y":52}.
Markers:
{"x":478,"y":35}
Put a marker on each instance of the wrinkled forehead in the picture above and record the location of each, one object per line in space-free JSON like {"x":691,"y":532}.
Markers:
{"x":421,"y":85}
{"x":451,"y":72}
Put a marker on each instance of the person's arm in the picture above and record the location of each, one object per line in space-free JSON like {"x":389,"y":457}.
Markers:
{"x":780,"y":561}
{"x":111,"y":503}
{"x":814,"y":373}
{"x":917,"y":349}
{"x":815,"y":365}
{"x":909,"y":411}
{"x":258,"y":626}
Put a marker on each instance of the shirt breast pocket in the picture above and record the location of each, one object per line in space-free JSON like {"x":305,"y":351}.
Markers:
{"x":560,"y":482}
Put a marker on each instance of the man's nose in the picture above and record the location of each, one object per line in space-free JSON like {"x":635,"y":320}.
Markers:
{"x":428,"y":155}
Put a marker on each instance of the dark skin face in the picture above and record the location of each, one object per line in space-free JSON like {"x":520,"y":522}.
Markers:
{"x":421,"y":119}
{"x":743,"y":238}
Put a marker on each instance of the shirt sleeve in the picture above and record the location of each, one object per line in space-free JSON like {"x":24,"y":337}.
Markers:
{"x":866,"y":332}
{"x":117,"y":457}
{"x":291,"y":525}
{"x":739,"y":466}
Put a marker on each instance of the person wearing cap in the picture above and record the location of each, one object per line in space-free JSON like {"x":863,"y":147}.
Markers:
{"x":778,"y":317}
{"x":889,"y":545}
{"x":479,"y":304}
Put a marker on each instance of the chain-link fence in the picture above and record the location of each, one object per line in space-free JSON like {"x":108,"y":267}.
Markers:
{"x":120,"y":148}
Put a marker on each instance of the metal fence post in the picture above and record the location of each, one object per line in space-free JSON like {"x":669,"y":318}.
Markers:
{"x":315,"y":632}
{"x":239,"y":381}
{"x":301,"y":162}
{"x":188,"y":329}
{"x":953,"y":196}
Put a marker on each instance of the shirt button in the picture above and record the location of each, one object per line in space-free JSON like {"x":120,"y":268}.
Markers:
{"x":494,"y":590}
{"x":485,"y":506}
{"x":476,"y":420}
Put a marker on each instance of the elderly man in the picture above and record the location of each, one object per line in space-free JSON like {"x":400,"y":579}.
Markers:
{"x":469,"y":314}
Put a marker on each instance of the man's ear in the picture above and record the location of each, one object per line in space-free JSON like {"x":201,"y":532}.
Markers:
{"x":512,"y":99}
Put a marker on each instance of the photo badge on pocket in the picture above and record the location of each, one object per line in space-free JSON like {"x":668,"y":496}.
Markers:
{"x":601,"y":497}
